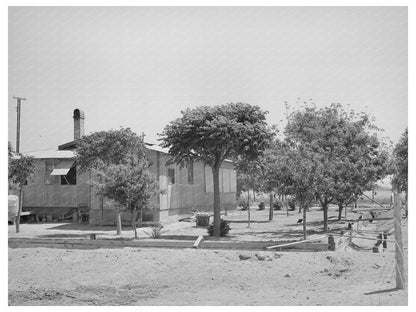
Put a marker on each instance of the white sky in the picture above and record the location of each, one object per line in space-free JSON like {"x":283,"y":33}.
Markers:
{"x":139,"y":66}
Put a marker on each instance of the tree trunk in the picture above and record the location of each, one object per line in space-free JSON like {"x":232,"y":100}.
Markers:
{"x":287,"y":206}
{"x":217,"y":203}
{"x":134,"y":222}
{"x":304,"y":220}
{"x":248,"y":209}
{"x":340,"y":206}
{"x":19,"y":210}
{"x":406,"y":211}
{"x":254,"y":196}
{"x":325,"y":208}
{"x":118,"y":220}
{"x":271,"y":207}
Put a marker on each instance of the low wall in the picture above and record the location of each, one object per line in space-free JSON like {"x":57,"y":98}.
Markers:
{"x":155,"y":243}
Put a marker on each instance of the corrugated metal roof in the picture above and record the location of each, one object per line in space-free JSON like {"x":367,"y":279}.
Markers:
{"x":51,"y":154}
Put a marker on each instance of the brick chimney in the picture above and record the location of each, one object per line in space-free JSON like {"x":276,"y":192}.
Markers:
{"x":78,"y":123}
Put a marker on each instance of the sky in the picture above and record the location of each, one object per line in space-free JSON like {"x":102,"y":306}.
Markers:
{"x":138,"y":67}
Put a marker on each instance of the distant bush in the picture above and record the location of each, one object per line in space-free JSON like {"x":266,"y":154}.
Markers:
{"x":292,"y":205}
{"x":262,"y":206}
{"x":277,"y":205}
{"x":243,"y":204}
{"x":224,"y":228}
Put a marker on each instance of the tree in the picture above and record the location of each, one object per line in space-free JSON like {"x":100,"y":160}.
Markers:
{"x":248,"y":178}
{"x":129,"y":184}
{"x":292,"y":170}
{"x":400,"y":165}
{"x":21,"y":169}
{"x":347,"y":149}
{"x":101,"y":152}
{"x":211,"y":134}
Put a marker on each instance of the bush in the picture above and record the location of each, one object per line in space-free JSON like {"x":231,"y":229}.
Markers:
{"x":156,"y":231}
{"x":224,"y":228}
{"x":262,"y":206}
{"x":243,"y":204}
{"x":291,"y":204}
{"x":277,"y":205}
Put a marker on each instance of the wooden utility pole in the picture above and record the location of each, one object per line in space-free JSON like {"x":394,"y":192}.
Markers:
{"x":400,"y":277}
{"x":19,"y":101}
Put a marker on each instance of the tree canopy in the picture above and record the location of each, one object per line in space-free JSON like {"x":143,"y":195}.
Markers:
{"x":117,"y":159}
{"x":103,"y":148}
{"x":400,"y":164}
{"x":339,"y":148}
{"x":211,"y":134}
{"x":21,"y":169}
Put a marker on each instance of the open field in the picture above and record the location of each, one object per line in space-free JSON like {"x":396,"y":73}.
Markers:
{"x":151,"y":276}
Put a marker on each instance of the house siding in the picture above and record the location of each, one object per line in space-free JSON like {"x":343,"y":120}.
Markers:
{"x":171,"y":199}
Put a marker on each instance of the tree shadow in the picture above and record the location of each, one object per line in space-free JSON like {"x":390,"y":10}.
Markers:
{"x":382,"y":291}
{"x":86,"y":227}
{"x":318,"y":223}
{"x":63,"y":236}
{"x":245,"y":221}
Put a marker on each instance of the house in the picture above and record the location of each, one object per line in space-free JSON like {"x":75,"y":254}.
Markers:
{"x":59,"y":190}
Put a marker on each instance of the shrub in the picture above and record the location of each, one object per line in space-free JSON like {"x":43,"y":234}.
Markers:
{"x":243,"y":204}
{"x":277,"y":205}
{"x":224,"y":228}
{"x":155,"y":231}
{"x":262,"y":206}
{"x":291,"y":204}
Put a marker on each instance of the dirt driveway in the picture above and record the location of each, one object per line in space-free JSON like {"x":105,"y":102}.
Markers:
{"x":150,"y":276}
{"x":128,"y":276}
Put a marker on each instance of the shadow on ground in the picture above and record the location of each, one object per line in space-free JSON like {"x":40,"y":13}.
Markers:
{"x":86,"y":227}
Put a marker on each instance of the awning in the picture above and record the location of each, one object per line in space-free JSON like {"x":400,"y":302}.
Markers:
{"x":62,"y":168}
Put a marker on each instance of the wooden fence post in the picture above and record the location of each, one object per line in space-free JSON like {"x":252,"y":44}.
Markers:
{"x":399,"y":243}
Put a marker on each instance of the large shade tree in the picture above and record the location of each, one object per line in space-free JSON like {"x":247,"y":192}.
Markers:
{"x":117,"y":159}
{"x":211,"y":134}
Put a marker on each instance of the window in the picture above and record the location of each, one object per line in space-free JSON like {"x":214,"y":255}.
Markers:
{"x":70,"y":178}
{"x":171,"y":176}
{"x":191,"y":173}
{"x":51,"y":179}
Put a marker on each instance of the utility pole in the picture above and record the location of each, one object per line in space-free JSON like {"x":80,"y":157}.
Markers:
{"x":19,"y":101}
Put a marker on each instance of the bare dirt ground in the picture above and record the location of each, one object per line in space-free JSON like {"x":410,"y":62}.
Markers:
{"x":149,"y":276}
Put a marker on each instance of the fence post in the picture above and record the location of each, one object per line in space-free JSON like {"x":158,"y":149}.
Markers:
{"x":399,"y":243}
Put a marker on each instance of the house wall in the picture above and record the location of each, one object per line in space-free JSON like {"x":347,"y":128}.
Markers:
{"x":178,"y":198}
{"x":54,"y":199}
